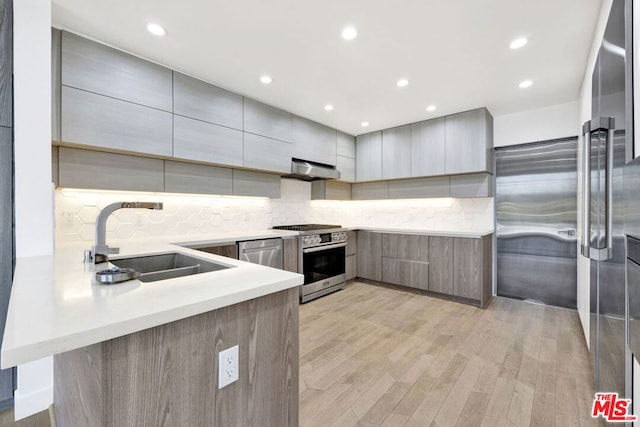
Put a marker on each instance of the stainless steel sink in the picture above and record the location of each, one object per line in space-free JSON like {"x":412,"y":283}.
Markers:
{"x":167,"y":266}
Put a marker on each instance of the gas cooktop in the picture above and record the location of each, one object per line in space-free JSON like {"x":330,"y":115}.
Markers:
{"x":303,"y":228}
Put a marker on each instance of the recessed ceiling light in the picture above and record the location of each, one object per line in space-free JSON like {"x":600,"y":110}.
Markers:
{"x":156,"y":30}
{"x":525,"y":84}
{"x":402,"y":82}
{"x":431,"y":108}
{"x":518,"y":43}
{"x":349,"y":33}
{"x":266,"y":79}
{"x":328,"y":107}
{"x":364,"y":124}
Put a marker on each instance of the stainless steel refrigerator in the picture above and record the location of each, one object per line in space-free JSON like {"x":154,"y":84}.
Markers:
{"x":606,"y":141}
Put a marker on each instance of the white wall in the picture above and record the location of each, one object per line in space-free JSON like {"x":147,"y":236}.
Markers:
{"x":33,"y":188}
{"x":584,"y":114}
{"x":540,"y":124}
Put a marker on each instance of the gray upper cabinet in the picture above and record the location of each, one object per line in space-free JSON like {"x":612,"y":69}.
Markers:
{"x":472,"y":185}
{"x":101,"y":121}
{"x":469,"y":142}
{"x":266,"y":154}
{"x":416,"y":188}
{"x":250,"y":183}
{"x":378,"y":190}
{"x":369,"y":157}
{"x":108,"y":171}
{"x":396,"y":152}
{"x":264,"y":120}
{"x":56,"y":46}
{"x":101,"y":69}
{"x":346,"y":145}
{"x":314,"y":142}
{"x":428,"y":148}
{"x":203,"y":101}
{"x":330,"y":190}
{"x":347,"y":168}
{"x":206,"y":142}
{"x":199,"y":179}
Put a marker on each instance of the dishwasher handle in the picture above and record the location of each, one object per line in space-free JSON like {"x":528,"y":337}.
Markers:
{"x":261,"y":249}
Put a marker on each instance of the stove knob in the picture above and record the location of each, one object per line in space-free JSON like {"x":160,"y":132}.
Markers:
{"x":306,"y":240}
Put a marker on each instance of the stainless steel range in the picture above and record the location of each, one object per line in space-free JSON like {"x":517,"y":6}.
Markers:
{"x":321,"y":251}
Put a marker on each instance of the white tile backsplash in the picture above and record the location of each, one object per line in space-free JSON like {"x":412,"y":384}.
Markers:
{"x":187,"y":216}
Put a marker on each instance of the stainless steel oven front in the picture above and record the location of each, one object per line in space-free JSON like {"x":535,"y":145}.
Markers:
{"x":322,"y":261}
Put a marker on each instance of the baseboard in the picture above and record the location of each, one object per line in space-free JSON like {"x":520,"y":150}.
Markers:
{"x":32,"y":403}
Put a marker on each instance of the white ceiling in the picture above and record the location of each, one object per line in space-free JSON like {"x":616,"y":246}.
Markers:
{"x":454,"y":52}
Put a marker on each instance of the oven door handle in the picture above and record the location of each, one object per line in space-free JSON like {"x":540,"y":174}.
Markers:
{"x":323,"y":248}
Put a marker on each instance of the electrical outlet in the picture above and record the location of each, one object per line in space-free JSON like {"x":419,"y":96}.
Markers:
{"x":67,"y":217}
{"x":228,"y":366}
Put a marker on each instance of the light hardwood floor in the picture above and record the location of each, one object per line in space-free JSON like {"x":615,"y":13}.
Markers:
{"x":374,"y":355}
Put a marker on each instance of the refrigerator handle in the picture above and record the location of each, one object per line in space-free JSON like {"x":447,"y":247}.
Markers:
{"x":586,"y":189}
{"x":609,"y":190}
{"x":588,"y":129}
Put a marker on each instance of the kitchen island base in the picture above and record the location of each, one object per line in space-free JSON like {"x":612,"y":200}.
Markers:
{"x":168,"y":375}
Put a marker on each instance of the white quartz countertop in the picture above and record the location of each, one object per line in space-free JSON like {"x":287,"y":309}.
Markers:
{"x":444,"y":233}
{"x":56,"y":307}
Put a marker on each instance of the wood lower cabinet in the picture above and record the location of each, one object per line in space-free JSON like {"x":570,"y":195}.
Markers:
{"x":369,"y":255}
{"x":472,"y":268}
{"x":290,"y":254}
{"x":351,"y":262}
{"x":229,"y":250}
{"x":168,"y":375}
{"x":441,"y":263}
{"x":458,"y":267}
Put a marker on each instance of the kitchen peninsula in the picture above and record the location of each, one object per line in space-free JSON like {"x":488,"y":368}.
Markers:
{"x":146,"y":353}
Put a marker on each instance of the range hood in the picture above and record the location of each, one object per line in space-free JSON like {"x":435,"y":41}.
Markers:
{"x":310,"y":171}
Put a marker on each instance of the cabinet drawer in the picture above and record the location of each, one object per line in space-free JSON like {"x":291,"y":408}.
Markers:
{"x":100,"y":121}
{"x":203,"y":101}
{"x":97,"y":68}
{"x":402,"y":272}
{"x":206,"y":142}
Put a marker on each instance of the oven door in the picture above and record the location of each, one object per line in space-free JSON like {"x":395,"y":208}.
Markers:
{"x":323,"y":266}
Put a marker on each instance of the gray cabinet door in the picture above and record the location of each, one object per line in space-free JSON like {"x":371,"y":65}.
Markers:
{"x":472,"y":185}
{"x":441,"y":264}
{"x":428,"y":148}
{"x":369,"y":255}
{"x":110,"y":123}
{"x":6,"y":64}
{"x":469,"y":142}
{"x":402,"y":272}
{"x":370,"y":190}
{"x":352,"y":243}
{"x":56,"y":85}
{"x":369,"y":157}
{"x":468,"y":275}
{"x":290,"y":254}
{"x":416,"y":188}
{"x":346,"y":145}
{"x":314,"y":142}
{"x":350,"y":266}
{"x":396,"y":152}
{"x":266,"y":153}
{"x":259,"y":184}
{"x":411,"y":247}
{"x":203,"y":101}
{"x":108,"y":171}
{"x":347,"y":168}
{"x":206,"y":142}
{"x":182,"y":177}
{"x":330,"y":190}
{"x":101,"y":69}
{"x":264,"y":120}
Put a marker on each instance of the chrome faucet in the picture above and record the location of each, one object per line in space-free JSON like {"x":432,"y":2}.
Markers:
{"x":100,"y":251}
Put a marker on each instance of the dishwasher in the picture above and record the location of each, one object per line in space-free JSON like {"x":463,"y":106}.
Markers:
{"x":264,"y":252}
